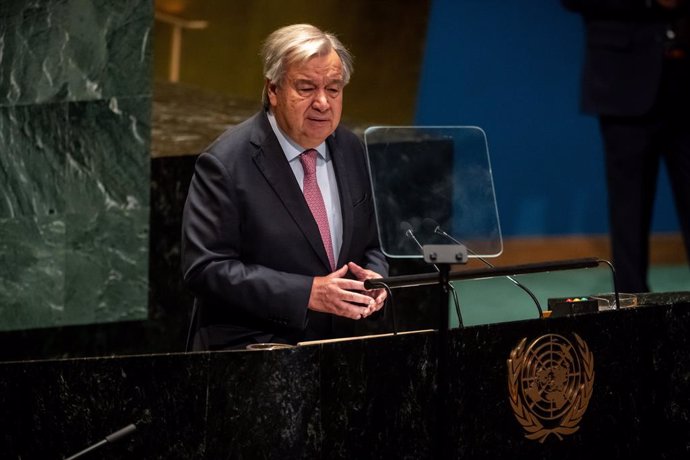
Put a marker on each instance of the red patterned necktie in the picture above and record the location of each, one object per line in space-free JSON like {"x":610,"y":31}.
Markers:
{"x":312,"y":193}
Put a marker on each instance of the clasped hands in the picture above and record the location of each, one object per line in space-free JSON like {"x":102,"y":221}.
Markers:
{"x":340,"y":296}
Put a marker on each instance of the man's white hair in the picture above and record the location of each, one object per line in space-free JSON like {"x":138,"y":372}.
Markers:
{"x":297,"y":44}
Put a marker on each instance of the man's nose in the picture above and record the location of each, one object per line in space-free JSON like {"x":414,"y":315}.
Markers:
{"x":320,"y":101}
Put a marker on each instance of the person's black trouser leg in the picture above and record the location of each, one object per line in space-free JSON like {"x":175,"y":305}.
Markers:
{"x":632,"y":165}
{"x":675,"y":104}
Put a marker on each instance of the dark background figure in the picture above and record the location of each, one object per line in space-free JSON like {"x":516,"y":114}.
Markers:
{"x":636,"y":78}
{"x":262,"y":263}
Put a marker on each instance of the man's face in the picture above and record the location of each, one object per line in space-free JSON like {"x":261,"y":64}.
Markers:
{"x":309,"y":102}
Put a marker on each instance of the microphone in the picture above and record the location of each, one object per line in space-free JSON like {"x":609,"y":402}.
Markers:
{"x":437,"y":230}
{"x":408,"y":231}
{"x":431,"y":223}
{"x":112,"y":437}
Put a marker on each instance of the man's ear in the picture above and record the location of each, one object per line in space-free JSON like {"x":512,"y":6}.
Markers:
{"x":271,"y":89}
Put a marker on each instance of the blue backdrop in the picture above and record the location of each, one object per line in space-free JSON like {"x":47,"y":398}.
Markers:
{"x":513,"y":69}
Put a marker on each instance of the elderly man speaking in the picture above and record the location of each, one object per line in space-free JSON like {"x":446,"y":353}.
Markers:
{"x":279,"y":233}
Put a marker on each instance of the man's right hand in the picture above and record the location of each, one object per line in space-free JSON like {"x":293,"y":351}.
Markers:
{"x":336,"y":295}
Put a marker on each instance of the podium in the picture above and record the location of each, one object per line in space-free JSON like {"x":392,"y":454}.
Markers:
{"x":362,"y":398}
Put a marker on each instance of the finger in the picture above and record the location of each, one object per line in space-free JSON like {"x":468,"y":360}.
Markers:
{"x":359,"y":272}
{"x":351,"y":311}
{"x":381,"y":297}
{"x":373,"y":308}
{"x":376,"y":294}
{"x":357,"y":298}
{"x":339,"y":273}
{"x":353,"y":266}
{"x":338,"y":297}
{"x":362,"y":273}
{"x":368,"y":311}
{"x":349,"y":285}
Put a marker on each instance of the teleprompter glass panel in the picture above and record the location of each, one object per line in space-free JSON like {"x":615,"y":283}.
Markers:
{"x":433,"y":185}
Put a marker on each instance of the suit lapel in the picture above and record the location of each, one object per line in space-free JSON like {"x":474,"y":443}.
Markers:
{"x":341,"y":174}
{"x":271,"y":161}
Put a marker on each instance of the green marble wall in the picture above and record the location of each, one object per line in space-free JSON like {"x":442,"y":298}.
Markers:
{"x":74,"y":161}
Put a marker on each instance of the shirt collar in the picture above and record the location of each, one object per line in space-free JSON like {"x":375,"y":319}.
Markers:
{"x":291,"y":148}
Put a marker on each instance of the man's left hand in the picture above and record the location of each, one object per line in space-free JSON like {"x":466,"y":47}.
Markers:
{"x":379,"y":295}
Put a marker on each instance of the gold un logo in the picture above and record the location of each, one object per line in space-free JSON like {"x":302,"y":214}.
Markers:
{"x":550,"y":383}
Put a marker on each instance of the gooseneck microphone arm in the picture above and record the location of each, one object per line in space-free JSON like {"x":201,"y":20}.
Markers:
{"x":409,"y":233}
{"x":439,"y":231}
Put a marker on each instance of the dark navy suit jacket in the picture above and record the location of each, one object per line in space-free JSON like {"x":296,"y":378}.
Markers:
{"x":624,"y":54}
{"x":250,"y":246}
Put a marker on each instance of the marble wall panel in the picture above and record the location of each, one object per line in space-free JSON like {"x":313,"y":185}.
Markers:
{"x":74,"y":50}
{"x":75,"y":213}
{"x":32,"y":260}
{"x":107,"y":195}
{"x":107,"y":162}
{"x":106,"y":266}
{"x":32,"y":246}
{"x":32,"y":159}
{"x":75,"y":129}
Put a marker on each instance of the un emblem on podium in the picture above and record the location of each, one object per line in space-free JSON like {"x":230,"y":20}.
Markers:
{"x":550,"y":382}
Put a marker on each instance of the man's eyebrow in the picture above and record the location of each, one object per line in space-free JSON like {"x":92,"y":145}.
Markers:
{"x":306,"y":81}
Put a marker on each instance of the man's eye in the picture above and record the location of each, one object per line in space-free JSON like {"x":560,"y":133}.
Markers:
{"x":333,"y":91}
{"x":305,"y":89}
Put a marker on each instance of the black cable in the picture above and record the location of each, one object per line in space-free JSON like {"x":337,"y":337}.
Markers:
{"x":192,"y":327}
{"x":456,"y":302}
{"x":391,"y":307}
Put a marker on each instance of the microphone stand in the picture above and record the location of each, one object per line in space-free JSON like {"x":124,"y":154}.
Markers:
{"x":442,"y":256}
